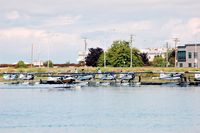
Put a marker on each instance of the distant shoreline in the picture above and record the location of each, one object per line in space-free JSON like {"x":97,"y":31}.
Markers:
{"x":146,"y":77}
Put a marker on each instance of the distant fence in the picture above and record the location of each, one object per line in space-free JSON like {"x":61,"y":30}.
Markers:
{"x":56,"y":65}
{"x":7,"y":65}
{"x":67,"y":65}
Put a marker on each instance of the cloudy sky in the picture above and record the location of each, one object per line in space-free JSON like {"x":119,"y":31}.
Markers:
{"x":57,"y":28}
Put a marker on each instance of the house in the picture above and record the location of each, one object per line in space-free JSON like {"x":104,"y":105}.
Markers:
{"x":152,"y":52}
{"x":38,"y":63}
{"x":81,"y":57}
{"x":188,"y":55}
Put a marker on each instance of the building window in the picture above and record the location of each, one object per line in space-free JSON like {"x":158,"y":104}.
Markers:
{"x":189,"y":55}
{"x":189,"y":64}
{"x":181,"y":56}
{"x":195,"y":64}
{"x":195,"y":55}
{"x":180,"y":64}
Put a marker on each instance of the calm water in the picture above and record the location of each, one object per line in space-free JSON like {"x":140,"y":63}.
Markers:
{"x":148,"y":109}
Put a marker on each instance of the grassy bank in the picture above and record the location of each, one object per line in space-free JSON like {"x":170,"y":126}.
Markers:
{"x":93,"y":69}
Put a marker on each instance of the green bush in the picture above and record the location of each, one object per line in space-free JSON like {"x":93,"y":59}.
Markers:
{"x":21,"y":64}
{"x":159,"y":61}
{"x":48,"y":62}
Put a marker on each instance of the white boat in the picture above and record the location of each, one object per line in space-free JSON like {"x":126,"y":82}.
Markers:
{"x":197,"y":76}
{"x":67,"y":79}
{"x":26,"y":76}
{"x":170,"y":76}
{"x":85,"y":77}
{"x":10,"y":76}
{"x":109,"y":76}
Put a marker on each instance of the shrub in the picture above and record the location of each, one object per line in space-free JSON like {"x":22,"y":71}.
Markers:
{"x":21,"y":64}
{"x":48,"y":62}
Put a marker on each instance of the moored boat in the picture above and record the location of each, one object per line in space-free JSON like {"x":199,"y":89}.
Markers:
{"x":58,"y":80}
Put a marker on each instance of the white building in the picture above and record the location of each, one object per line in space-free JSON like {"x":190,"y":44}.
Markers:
{"x":38,"y":63}
{"x":82,"y":56}
{"x":152,"y":52}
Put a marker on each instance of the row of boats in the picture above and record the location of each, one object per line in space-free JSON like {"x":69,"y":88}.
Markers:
{"x":18,"y":76}
{"x":71,"y":78}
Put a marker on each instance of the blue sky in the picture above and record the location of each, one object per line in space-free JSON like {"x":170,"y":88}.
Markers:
{"x":58,"y":27}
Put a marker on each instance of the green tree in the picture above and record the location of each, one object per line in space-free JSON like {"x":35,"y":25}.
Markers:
{"x":100,"y":61}
{"x":21,"y":64}
{"x":48,"y":62}
{"x":119,"y":55}
{"x":159,"y":61}
{"x":171,"y":58}
{"x":145,"y":58}
{"x":93,"y":56}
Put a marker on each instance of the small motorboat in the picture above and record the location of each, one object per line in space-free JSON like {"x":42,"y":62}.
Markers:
{"x":197,"y":77}
{"x":26,"y":76}
{"x":84,"y":77}
{"x":170,"y":76}
{"x":67,"y":79}
{"x":109,"y":76}
{"x":10,"y":76}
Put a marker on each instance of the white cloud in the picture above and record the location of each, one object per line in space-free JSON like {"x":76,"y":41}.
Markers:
{"x":187,"y":31}
{"x":62,"y":46}
{"x":152,"y":21}
{"x":194,"y":25}
{"x":16,"y":15}
{"x":13,"y":15}
{"x":60,"y":21}
{"x":129,"y":27}
{"x":133,"y":26}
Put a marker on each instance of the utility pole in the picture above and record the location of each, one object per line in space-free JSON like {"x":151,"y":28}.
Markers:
{"x":39,"y":55}
{"x":195,"y":56}
{"x":167,"y":58}
{"x":85,"y":53}
{"x":32,"y":55}
{"x":85,"y":42}
{"x":196,"y":52}
{"x":48,"y":54}
{"x":176,"y":40}
{"x":49,"y":44}
{"x":104,"y":58}
{"x":131,"y":43}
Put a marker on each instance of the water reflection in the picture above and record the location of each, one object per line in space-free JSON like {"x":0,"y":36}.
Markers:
{"x":152,"y":109}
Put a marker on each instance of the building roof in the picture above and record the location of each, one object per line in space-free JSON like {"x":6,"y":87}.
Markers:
{"x":186,"y":45}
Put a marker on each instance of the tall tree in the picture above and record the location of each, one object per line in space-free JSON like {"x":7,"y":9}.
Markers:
{"x":119,"y":55}
{"x":145,"y":58}
{"x":93,"y":56}
{"x":171,"y":59}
